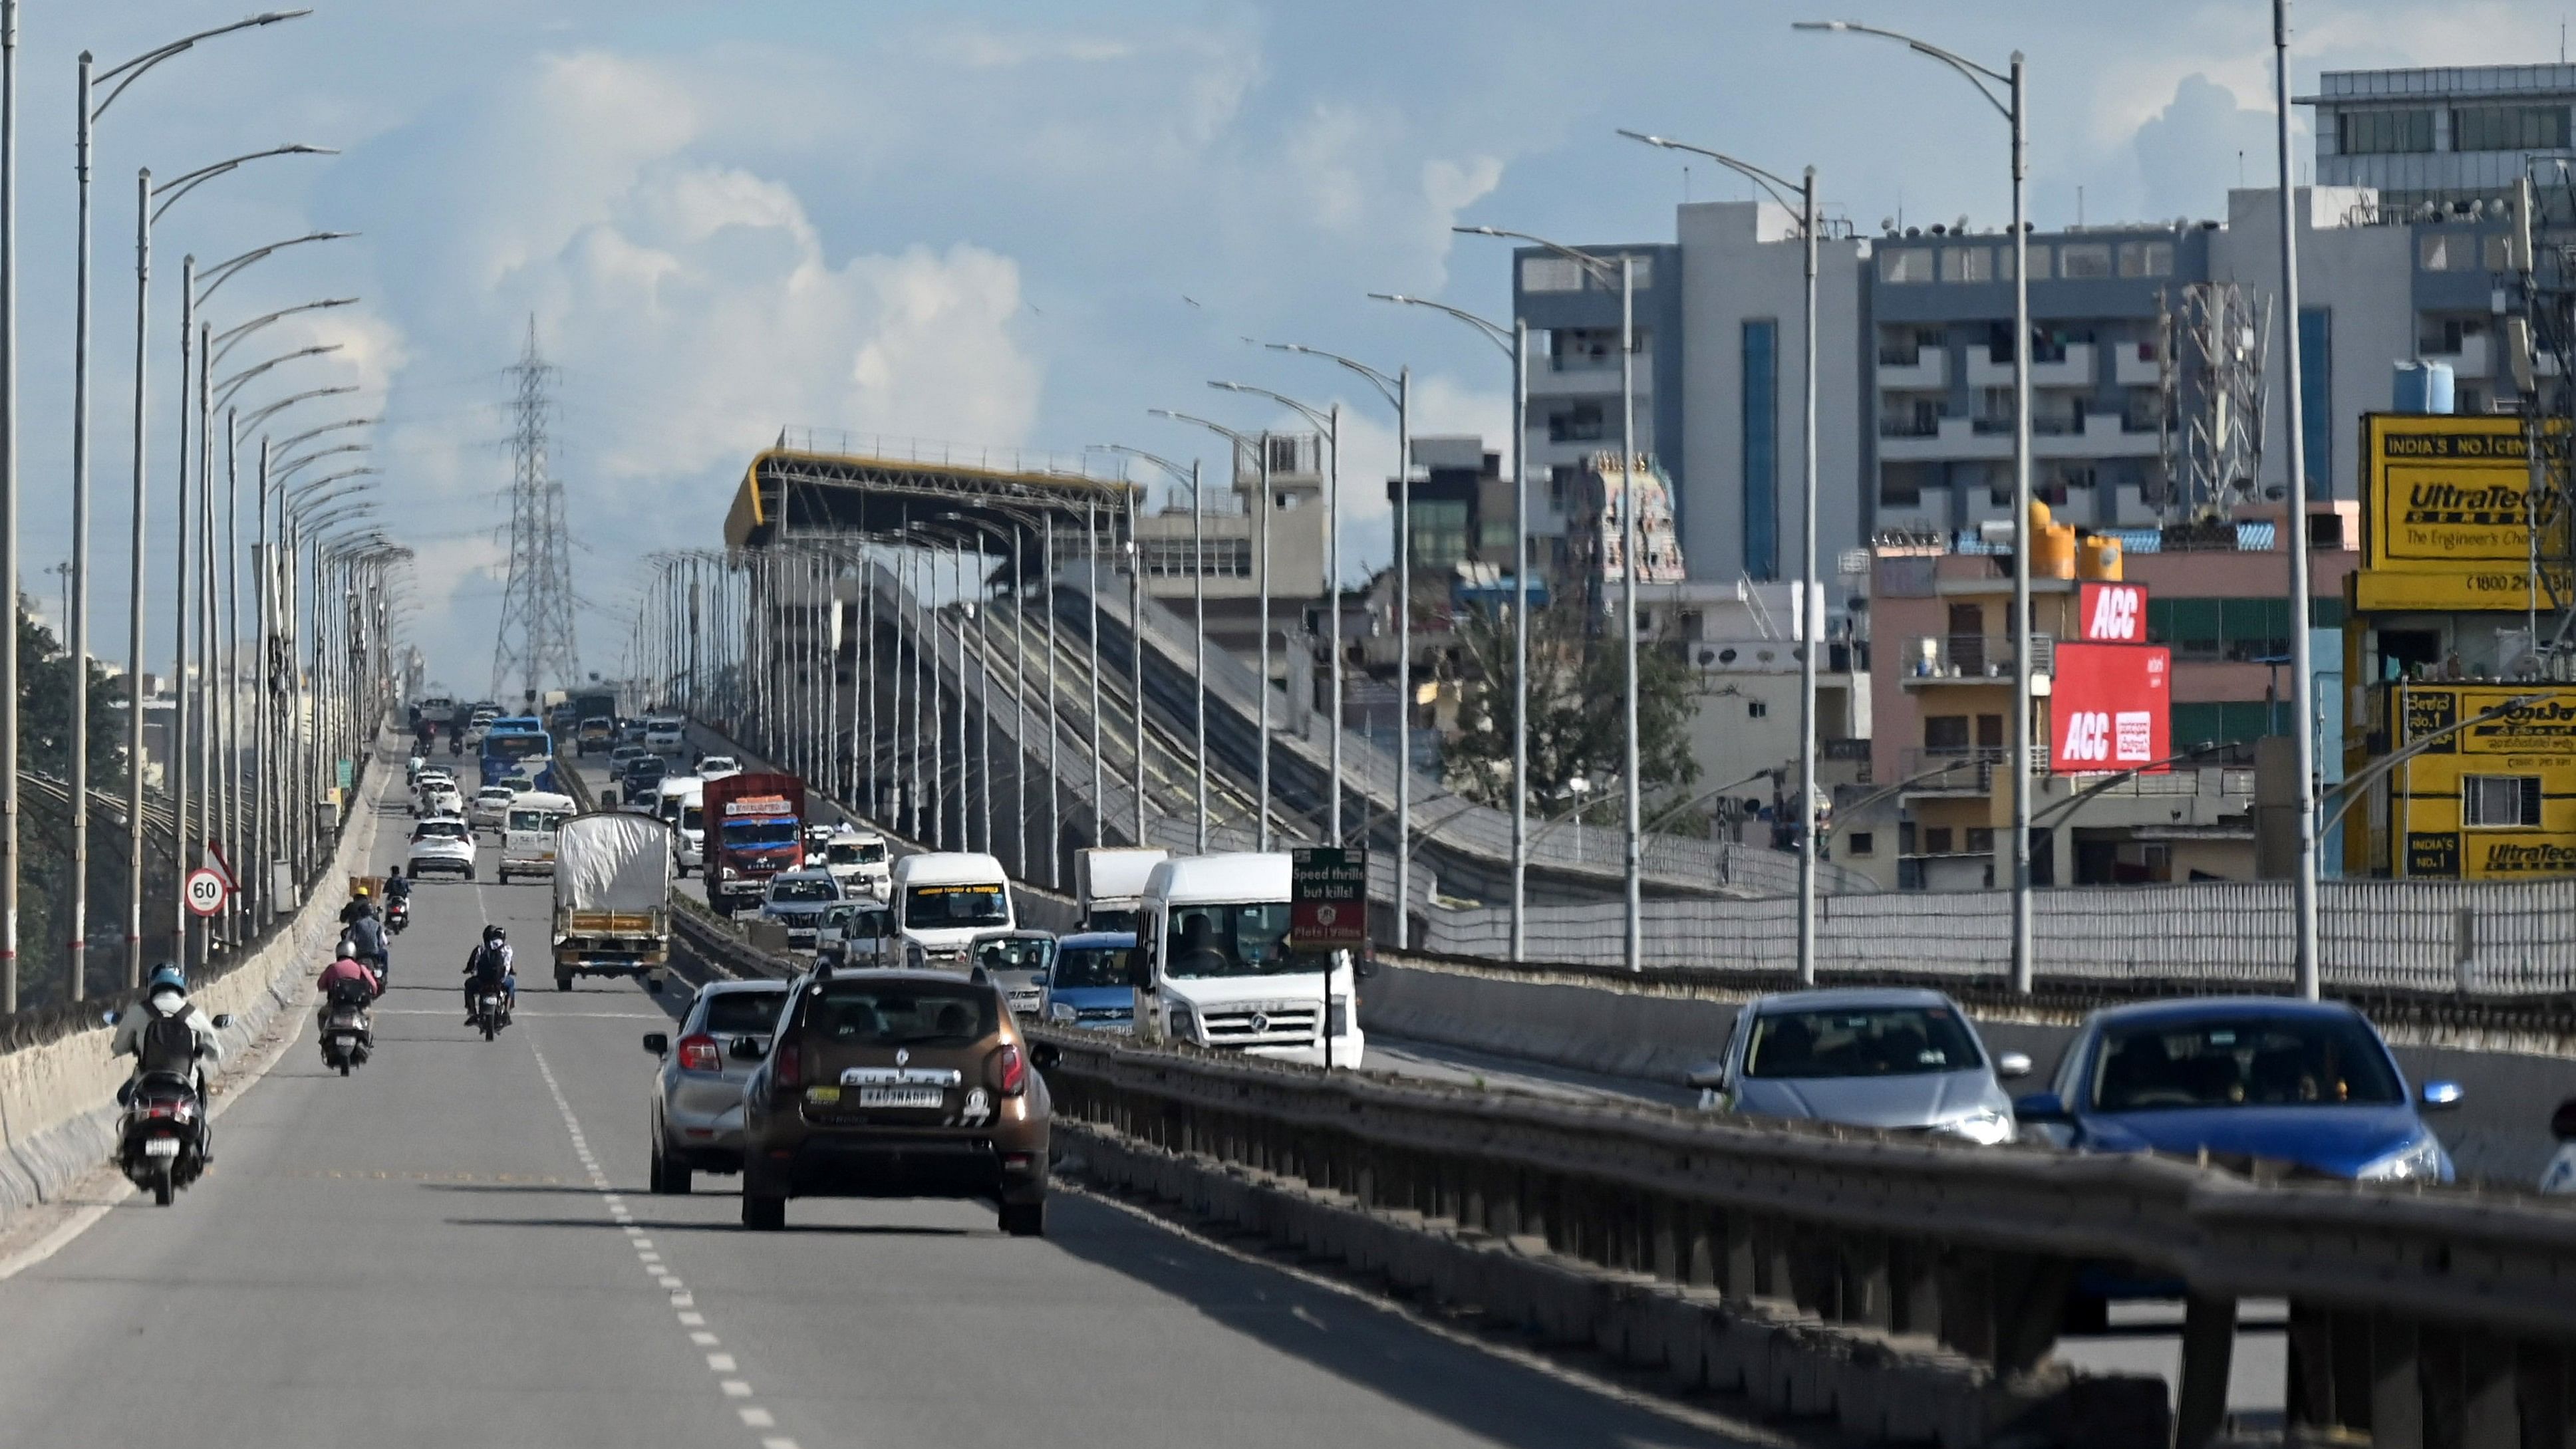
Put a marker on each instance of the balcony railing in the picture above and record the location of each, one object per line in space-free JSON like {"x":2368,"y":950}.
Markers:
{"x":1965,"y":658}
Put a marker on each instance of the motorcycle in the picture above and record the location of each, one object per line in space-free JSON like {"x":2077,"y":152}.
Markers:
{"x":397,"y":915}
{"x":348,"y":1038}
{"x":491,"y":1012}
{"x":161,"y":1140}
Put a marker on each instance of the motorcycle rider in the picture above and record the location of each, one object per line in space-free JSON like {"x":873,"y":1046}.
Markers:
{"x":361,"y":903}
{"x":150,"y":1033}
{"x":490,"y":964}
{"x":348,"y":980}
{"x":397,"y":895}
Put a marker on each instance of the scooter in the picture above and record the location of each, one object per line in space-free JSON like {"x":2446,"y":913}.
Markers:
{"x":397,"y":915}
{"x":161,"y":1142}
{"x":348,"y":1037}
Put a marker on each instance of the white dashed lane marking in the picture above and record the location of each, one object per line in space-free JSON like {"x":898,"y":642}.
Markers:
{"x":647,"y":1257}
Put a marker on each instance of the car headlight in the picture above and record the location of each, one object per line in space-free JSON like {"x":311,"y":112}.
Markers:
{"x":1183,"y":1024}
{"x":725,"y":872}
{"x":1061,"y":1011}
{"x":2419,"y":1161}
{"x":1985,"y":1127}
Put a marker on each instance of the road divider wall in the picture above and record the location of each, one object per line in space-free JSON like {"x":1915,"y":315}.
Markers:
{"x":58,"y":1113}
{"x":1904,"y":1289}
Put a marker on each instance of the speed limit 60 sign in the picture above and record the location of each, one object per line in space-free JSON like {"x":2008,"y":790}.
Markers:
{"x":205,"y":891}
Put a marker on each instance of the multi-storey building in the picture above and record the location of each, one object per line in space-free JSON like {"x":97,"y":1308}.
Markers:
{"x":2443,"y":135}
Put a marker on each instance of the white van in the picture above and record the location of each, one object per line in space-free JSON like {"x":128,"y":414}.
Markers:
{"x":678,"y":805}
{"x":528,"y":833}
{"x":1213,"y":930}
{"x":857,"y":859}
{"x":945,"y":900}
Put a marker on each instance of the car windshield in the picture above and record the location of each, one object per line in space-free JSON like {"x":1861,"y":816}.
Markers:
{"x":1233,"y":940}
{"x":844,"y":852}
{"x":742,"y":1013}
{"x":747,"y":833}
{"x":855,"y":1011}
{"x":692,"y":819}
{"x":713,"y":763}
{"x":548,"y":821}
{"x":2246,"y":1062}
{"x":802,"y":890}
{"x":1092,"y":966}
{"x":439,"y":830}
{"x":1017,"y":953}
{"x":494,"y":794}
{"x":1864,"y":1041}
{"x":946,"y":907}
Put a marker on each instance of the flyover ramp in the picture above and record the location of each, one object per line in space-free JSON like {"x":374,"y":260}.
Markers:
{"x":419,"y":1254}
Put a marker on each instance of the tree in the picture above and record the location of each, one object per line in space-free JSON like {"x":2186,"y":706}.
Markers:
{"x":44,"y":820}
{"x":1575,"y":726}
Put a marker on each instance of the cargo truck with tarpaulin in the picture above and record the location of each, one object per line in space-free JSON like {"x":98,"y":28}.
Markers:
{"x":612,"y":896}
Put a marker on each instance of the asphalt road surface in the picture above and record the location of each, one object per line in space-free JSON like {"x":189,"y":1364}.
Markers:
{"x":455,"y":1245}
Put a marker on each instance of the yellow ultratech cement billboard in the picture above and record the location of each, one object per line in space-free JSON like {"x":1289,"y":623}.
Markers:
{"x":2446,"y":515}
{"x":2494,"y":801}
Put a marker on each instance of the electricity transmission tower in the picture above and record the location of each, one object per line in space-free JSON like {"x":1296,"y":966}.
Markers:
{"x":535,"y":646}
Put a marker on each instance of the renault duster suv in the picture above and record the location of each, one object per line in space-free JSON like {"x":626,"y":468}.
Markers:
{"x":897,"y":1083}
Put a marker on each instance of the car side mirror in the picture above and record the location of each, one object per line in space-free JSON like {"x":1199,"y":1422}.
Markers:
{"x":1707,"y":1076}
{"x":2039,"y":1107}
{"x":747,"y":1049}
{"x":222,"y":1019}
{"x":109,"y":1018}
{"x":1046,"y":1056}
{"x":2012,"y":1064}
{"x":658,"y":1043}
{"x":2562,"y":1123}
{"x":2441,"y":1096}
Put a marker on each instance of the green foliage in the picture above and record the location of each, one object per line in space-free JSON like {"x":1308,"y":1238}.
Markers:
{"x":44,"y":822}
{"x":1577,"y":679}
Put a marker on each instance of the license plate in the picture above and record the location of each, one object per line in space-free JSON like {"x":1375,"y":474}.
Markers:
{"x":161,"y":1147}
{"x":901,"y":1096}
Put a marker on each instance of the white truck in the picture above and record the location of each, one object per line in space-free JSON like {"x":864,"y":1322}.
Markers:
{"x":857,"y":859}
{"x":1212,"y":931}
{"x":943,"y":900}
{"x":1109,"y":884}
{"x":612,"y":896}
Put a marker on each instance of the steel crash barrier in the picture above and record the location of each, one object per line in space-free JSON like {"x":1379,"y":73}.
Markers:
{"x":1907,"y":1288}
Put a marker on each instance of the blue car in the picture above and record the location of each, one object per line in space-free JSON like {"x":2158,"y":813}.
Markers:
{"x":2303,"y":1082}
{"x":1089,"y":985}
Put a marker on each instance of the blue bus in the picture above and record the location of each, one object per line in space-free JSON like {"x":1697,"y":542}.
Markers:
{"x":518,"y":743}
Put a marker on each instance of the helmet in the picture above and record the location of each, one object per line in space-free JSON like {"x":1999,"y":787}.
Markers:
{"x":361,"y":893}
{"x":166,"y":974}
{"x":348,"y":950}
{"x":495,"y":934}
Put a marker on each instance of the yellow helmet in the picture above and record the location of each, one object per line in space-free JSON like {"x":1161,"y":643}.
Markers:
{"x":360,"y":893}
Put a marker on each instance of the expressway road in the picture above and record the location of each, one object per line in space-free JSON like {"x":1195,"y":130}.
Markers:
{"x":456,"y":1245}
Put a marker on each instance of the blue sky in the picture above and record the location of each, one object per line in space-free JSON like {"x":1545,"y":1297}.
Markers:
{"x":980,"y":221}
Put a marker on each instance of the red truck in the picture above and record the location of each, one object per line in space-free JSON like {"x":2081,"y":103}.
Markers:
{"x":755,"y":828}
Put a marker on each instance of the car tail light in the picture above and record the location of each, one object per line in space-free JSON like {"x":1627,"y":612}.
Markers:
{"x":1010,"y":1070}
{"x":787,"y":1068}
{"x":699,"y":1054}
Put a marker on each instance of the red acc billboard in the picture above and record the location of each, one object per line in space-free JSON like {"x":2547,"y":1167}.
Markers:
{"x":2113,"y":613}
{"x":2109,"y":708}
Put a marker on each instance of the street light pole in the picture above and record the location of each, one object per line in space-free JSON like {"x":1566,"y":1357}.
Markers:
{"x":2006,"y":91}
{"x":1810,"y":633}
{"x":2303,"y":681}
{"x":9,"y":504}
{"x":1514,"y":344}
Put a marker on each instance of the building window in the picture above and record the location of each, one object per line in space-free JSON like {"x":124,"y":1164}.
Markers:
{"x":1587,"y":349}
{"x":2499,"y":802}
{"x":1967,"y":264}
{"x":1981,"y":840}
{"x":1225,"y":558}
{"x":2078,"y":260}
{"x":1761,"y":448}
{"x":1578,"y":424}
{"x":2383,"y":133}
{"x":2447,"y":251}
{"x":1900,"y":485}
{"x":1757,"y":709}
{"x":2038,"y":261}
{"x":2508,"y":128}
{"x":1905,"y":264}
{"x":1862,"y":842}
{"x":1439,"y":533}
{"x":2146,"y":259}
{"x":1936,"y":840}
{"x":1945,"y":732}
{"x":1551,"y":274}
{"x":2316,"y":398}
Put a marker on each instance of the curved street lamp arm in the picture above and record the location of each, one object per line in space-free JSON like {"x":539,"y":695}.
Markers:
{"x":310,"y":434}
{"x":279,"y":475}
{"x":226,"y":271}
{"x":227,"y":340}
{"x":282,"y":404}
{"x":225,"y":389}
{"x":2351,"y":791}
{"x":1167,"y":465}
{"x":1495,"y":333}
{"x":1599,"y":267}
{"x":182,"y":185}
{"x":2068,"y":805}
{"x":1853,"y":810}
{"x":1771,"y":181}
{"x":1386,"y":385}
{"x":133,"y":69}
{"x":1977,"y":75}
{"x":1310,"y":413}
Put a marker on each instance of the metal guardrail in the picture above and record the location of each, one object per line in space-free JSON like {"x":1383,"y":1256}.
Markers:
{"x":2405,"y":1303}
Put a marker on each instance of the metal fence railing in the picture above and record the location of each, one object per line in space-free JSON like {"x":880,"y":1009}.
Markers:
{"x":2475,"y":938}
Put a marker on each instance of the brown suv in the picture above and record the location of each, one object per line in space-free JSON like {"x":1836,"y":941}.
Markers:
{"x":898,"y":1084}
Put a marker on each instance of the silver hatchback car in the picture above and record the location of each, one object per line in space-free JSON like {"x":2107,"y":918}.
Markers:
{"x":697,"y":1095}
{"x":1895,"y":1059}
